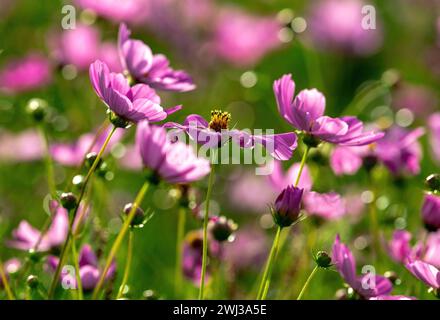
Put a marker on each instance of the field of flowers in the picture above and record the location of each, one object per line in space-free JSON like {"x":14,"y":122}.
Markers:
{"x":208,"y":149}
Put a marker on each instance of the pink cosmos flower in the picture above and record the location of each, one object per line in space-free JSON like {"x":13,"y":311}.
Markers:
{"x":25,"y":237}
{"x":337,"y":25}
{"x":431,"y":212}
{"x":88,"y":269}
{"x":26,"y":74}
{"x":280,"y":180}
{"x":329,"y":206}
{"x":434,"y":127}
{"x":133,"y":11}
{"x":249,"y":192}
{"x":81,"y":47}
{"x":348,"y":160}
{"x":367,"y":286}
{"x":389,"y":298}
{"x":131,"y":159}
{"x":287,"y":206}
{"x":154,"y":70}
{"x":244,"y":39}
{"x":399,"y":248}
{"x":9,"y":267}
{"x":24,"y":146}
{"x":306,"y":113}
{"x":132,"y":104}
{"x":215,"y":133}
{"x":248,"y":250}
{"x":72,"y":154}
{"x":425,"y":272}
{"x":174,"y":162}
{"x":193,"y":254}
{"x":400,"y":151}
{"x":420,"y":100}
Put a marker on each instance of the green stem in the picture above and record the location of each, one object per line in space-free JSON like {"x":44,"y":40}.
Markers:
{"x":127,"y":265}
{"x":64,"y":250}
{"x":102,"y":127}
{"x":118,"y":241}
{"x":307,"y":283}
{"x":77,"y":273}
{"x":181,"y":220}
{"x":5,"y":283}
{"x":262,"y":291}
{"x":49,"y":165}
{"x":205,"y":233}
{"x":301,"y":166}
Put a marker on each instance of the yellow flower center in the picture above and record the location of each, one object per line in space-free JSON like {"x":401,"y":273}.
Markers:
{"x":219,"y":120}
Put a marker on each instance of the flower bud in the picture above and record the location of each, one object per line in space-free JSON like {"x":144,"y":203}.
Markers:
{"x":392,"y":276}
{"x":37,"y":109}
{"x":78,"y":181}
{"x":91,"y":158}
{"x":323,"y":259}
{"x":431,"y":212}
{"x":222,"y":228}
{"x":432,"y":182}
{"x":68,"y":200}
{"x":32,"y":281}
{"x":139,"y":216}
{"x":34,"y":255}
{"x":150,"y":295}
{"x":287,"y":206}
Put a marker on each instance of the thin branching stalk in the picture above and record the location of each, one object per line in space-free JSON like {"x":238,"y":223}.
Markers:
{"x":307,"y":283}
{"x":5,"y":283}
{"x":118,"y":241}
{"x":127,"y":264}
{"x":67,"y":242}
{"x":205,"y":230}
{"x":181,"y":221}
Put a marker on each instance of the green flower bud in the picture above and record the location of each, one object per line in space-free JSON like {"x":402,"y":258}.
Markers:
{"x":32,"y":281}
{"x":323,"y":259}
{"x":432,"y":182}
{"x":222,"y":228}
{"x":68,"y":200}
{"x":139,"y":217}
{"x":38,"y":109}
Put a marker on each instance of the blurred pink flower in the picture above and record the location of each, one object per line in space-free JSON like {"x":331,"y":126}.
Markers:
{"x":248,"y":250}
{"x":131,"y":159}
{"x":88,"y":269}
{"x":250,"y":192}
{"x":347,"y":160}
{"x":425,"y":272}
{"x":174,"y":162}
{"x":25,"y":74}
{"x":345,"y":263}
{"x":280,"y":180}
{"x":25,"y":237}
{"x":431,"y":212}
{"x":10,"y":266}
{"x":329,"y":206}
{"x":24,"y":146}
{"x":400,"y":249}
{"x":420,"y":100}
{"x":72,"y":154}
{"x":133,"y":11}
{"x":244,"y":39}
{"x":400,"y":150}
{"x":81,"y":46}
{"x":337,"y":25}
{"x":434,"y":127}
